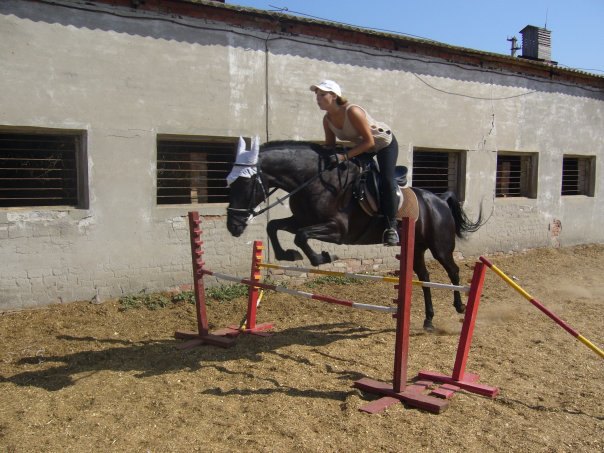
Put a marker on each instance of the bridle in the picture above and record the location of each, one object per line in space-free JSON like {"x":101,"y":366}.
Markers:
{"x":250,"y":212}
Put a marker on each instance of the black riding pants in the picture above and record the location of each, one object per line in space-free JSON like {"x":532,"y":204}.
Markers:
{"x":387,"y":158}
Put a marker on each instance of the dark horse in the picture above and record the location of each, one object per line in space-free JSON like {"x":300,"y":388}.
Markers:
{"x":323,"y":208}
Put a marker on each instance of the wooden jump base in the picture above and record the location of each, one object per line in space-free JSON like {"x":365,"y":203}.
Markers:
{"x":202,"y":336}
{"x":426,"y":379}
{"x":459,"y":377}
{"x":398,"y":390}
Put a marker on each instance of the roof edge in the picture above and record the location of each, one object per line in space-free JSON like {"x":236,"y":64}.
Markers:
{"x":279,"y":22}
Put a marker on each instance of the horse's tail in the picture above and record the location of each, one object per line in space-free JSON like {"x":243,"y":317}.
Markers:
{"x":462,"y":223}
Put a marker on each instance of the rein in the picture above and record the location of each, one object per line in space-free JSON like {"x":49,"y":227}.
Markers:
{"x":252,"y":212}
{"x":281,"y":200}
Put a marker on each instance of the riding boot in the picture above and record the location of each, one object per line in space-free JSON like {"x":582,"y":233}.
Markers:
{"x":389,"y":209}
{"x":390,"y":236}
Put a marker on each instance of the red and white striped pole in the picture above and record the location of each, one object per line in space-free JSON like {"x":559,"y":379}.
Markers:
{"x":293,"y":292}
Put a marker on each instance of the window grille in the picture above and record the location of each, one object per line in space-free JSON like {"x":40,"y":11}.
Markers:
{"x":437,"y":171}
{"x":578,"y":175}
{"x":39,"y":169}
{"x":190,"y":172}
{"x":516,"y":176}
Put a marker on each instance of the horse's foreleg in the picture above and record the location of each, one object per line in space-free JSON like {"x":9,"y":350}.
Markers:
{"x":290,"y":225}
{"x":325,"y":232}
{"x":419,"y":266}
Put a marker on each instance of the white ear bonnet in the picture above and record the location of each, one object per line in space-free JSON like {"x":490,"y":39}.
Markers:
{"x":246,"y":160}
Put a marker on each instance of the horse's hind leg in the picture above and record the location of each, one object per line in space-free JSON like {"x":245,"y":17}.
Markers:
{"x":447,"y":261}
{"x":419,"y":266}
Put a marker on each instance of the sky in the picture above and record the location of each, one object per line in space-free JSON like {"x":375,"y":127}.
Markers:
{"x":577,"y":26}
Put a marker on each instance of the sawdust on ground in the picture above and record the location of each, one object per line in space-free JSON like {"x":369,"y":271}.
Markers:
{"x":81,"y":377}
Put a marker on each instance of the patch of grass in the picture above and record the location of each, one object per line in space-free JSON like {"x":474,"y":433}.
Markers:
{"x":130,"y":302}
{"x":153,"y":301}
{"x":332,"y":280}
{"x":269,"y":280}
{"x":156,"y":301}
{"x":220,"y":293}
{"x":185,"y":296}
{"x":224,"y":293}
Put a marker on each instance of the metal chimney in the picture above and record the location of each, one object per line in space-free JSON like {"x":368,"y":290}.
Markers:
{"x":514,"y":47}
{"x":536,"y":43}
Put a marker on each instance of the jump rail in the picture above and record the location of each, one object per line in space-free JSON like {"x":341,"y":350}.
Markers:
{"x":541,"y":307}
{"x":463,"y":289}
{"x":293,"y":292}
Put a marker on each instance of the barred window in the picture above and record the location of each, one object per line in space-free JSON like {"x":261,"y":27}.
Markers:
{"x":516,"y":175}
{"x":578,"y":175}
{"x":438,"y":171}
{"x":191,"y":171}
{"x":41,"y":169}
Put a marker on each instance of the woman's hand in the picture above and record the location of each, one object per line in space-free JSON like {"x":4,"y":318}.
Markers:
{"x":334,"y":160}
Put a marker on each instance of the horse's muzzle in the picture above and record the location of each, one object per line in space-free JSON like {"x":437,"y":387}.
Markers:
{"x":235,"y":230}
{"x":236,"y":224}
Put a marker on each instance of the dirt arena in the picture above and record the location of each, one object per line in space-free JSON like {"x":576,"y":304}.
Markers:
{"x":81,"y":377}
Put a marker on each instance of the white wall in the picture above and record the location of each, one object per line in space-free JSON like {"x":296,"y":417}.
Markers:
{"x":123,"y":77}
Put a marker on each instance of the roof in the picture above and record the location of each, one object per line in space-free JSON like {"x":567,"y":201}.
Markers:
{"x":280,"y":22}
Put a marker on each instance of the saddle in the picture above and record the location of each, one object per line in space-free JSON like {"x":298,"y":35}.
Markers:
{"x":366,"y":190}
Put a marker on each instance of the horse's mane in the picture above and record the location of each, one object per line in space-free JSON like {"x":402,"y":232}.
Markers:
{"x":290,"y":144}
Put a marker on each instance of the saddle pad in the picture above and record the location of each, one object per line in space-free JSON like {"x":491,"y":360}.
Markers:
{"x":410,"y":207}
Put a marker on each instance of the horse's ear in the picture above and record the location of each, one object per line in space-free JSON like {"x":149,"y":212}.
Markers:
{"x":240,"y":146}
{"x":255,"y":148}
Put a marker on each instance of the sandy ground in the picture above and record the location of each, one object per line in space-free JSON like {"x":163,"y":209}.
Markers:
{"x":81,"y":377}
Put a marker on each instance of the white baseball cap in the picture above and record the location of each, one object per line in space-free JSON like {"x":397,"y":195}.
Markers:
{"x":328,"y":85}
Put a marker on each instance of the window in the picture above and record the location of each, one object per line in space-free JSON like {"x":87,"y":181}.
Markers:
{"x":438,"y":171}
{"x":516,"y":175}
{"x":193,"y":171}
{"x":578,"y":175}
{"x":42,"y":169}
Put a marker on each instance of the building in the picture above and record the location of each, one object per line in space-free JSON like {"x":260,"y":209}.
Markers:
{"x":106,"y":105}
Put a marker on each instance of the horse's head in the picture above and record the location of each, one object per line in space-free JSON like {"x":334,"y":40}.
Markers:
{"x":247,"y":189}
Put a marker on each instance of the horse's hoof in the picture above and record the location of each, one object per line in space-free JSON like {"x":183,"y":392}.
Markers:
{"x":460,"y":308}
{"x":323,"y":258}
{"x":327,"y":258}
{"x":291,"y":255}
{"x":428,"y":327}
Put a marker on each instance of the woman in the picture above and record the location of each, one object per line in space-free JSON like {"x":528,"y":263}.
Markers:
{"x":350,"y":122}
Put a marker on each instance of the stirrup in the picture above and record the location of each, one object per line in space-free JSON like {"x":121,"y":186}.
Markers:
{"x":390,"y":237}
